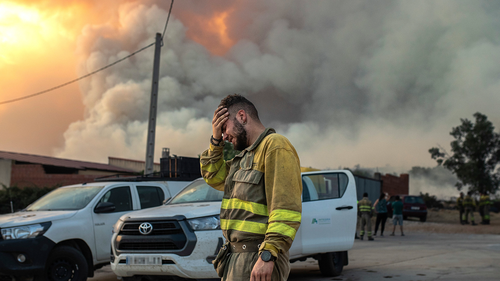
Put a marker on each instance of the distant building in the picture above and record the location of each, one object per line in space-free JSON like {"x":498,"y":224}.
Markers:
{"x":134,"y":165}
{"x":23,"y":170}
{"x":394,"y":185}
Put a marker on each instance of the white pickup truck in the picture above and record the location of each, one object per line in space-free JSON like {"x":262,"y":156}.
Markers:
{"x":66,"y":234}
{"x":182,"y":237}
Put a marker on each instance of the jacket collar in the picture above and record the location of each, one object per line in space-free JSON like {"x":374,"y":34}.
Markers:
{"x":264,"y":134}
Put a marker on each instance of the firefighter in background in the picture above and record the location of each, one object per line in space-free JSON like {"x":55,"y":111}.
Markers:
{"x":357,"y":224}
{"x":469,"y":206}
{"x":365,"y":212}
{"x":460,"y":206}
{"x":484,"y":207}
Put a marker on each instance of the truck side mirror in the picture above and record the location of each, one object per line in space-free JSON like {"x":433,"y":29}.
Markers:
{"x":104,"y":207}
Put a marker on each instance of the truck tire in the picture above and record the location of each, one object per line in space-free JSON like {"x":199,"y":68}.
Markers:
{"x":65,"y":263}
{"x":331,"y":264}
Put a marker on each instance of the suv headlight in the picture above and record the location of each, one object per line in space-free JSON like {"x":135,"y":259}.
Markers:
{"x":205,"y":223}
{"x":118,"y":226}
{"x":25,"y":231}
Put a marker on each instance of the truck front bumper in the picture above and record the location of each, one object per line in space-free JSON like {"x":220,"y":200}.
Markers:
{"x":196,"y":265}
{"x":35,"y":252}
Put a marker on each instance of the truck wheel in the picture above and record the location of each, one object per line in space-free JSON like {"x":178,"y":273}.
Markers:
{"x":64,"y":264}
{"x":331,"y":264}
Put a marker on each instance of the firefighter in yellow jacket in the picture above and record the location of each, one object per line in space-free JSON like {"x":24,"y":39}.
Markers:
{"x":261,"y":207}
{"x":484,"y":205}
{"x":365,"y":212}
{"x":469,"y":206}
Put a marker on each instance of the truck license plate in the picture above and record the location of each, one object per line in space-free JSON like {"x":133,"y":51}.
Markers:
{"x":143,"y":260}
{"x":415,"y":208}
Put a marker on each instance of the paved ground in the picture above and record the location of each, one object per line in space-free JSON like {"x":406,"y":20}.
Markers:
{"x":415,"y":257}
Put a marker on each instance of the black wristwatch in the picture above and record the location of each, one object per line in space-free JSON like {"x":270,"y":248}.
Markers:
{"x":267,"y":256}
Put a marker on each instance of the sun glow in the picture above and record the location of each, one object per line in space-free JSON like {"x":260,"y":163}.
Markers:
{"x":27,"y":31}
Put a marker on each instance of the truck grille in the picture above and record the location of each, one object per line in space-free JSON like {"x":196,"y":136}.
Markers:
{"x":159,"y":228}
{"x":166,"y":235}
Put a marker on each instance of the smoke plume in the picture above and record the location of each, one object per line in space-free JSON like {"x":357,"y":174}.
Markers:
{"x":375,"y":83}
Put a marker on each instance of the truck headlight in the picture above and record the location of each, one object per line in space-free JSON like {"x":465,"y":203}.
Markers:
{"x":25,"y":231}
{"x":118,"y":226}
{"x":205,"y":223}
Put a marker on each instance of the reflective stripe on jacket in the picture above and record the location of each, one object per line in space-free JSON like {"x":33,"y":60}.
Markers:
{"x":484,"y":200}
{"x":460,"y":202}
{"x":365,"y":205}
{"x":262,"y":191}
{"x":469,"y":202}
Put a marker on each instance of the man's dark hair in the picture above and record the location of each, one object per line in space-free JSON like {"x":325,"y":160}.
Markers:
{"x":236,"y":102}
{"x":397,"y":198}
{"x":365,"y":194}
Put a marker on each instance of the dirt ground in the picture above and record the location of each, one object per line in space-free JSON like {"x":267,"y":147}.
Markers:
{"x":447,"y":221}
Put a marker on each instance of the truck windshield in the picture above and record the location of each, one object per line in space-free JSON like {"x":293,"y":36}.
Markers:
{"x":198,"y":191}
{"x":65,"y":198}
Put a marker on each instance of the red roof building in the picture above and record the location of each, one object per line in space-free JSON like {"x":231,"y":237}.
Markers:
{"x":22,"y":170}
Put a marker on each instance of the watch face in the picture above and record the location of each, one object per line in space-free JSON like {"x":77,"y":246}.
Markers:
{"x":266,"y":256}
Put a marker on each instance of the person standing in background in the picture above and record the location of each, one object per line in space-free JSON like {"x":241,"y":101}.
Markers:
{"x":469,"y":206}
{"x":397,"y":215}
{"x":484,"y":203}
{"x":460,"y":206}
{"x":380,"y":208}
{"x":365,"y":211}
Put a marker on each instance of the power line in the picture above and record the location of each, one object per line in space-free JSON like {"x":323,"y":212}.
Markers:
{"x":93,"y":72}
{"x":166,"y":23}
{"x":77,"y":79}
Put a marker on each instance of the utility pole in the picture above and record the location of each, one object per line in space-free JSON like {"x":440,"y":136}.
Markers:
{"x":150,"y":146}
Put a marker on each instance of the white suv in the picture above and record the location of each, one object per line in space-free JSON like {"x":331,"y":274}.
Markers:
{"x":66,"y":234}
{"x":182,"y":237}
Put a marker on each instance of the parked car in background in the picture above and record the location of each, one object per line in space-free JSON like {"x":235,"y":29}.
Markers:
{"x":413,"y":206}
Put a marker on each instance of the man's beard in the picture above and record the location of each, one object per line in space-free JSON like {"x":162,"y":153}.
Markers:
{"x":241,"y":136}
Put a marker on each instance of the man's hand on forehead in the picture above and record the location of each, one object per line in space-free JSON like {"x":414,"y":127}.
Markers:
{"x":221,"y":115}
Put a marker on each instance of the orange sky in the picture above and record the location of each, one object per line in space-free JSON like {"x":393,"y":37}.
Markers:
{"x":37,"y":51}
{"x":38,"y":40}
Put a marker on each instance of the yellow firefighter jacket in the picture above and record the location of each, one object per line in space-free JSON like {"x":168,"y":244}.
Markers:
{"x":365,"y":205}
{"x":469,"y":202}
{"x":484,"y":200}
{"x":262,"y":191}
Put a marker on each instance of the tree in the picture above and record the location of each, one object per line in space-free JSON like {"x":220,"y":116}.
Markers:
{"x":476,"y":154}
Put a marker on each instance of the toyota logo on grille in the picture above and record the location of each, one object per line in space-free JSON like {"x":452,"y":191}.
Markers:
{"x":145,"y":228}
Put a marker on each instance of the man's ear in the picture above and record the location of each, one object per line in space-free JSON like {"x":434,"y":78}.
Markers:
{"x":242,"y":116}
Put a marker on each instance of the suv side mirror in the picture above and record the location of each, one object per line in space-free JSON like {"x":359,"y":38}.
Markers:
{"x":166,"y":200}
{"x":104,"y":207}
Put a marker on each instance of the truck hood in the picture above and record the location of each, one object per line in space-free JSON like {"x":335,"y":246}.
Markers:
{"x":25,"y":218}
{"x":189,"y":210}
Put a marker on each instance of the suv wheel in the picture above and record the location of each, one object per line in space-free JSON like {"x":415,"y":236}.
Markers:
{"x":331,"y":264}
{"x":423,"y":219}
{"x":64,"y":264}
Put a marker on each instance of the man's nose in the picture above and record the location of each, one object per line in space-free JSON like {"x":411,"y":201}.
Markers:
{"x":224,"y":137}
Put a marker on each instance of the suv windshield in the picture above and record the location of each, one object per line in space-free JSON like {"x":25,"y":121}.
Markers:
{"x":66,"y":198}
{"x":198,"y":191}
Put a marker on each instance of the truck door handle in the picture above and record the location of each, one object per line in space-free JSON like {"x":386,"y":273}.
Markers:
{"x":344,"y":207}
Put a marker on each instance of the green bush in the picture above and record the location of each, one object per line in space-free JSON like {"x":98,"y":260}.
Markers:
{"x":20,"y":197}
{"x":431,"y":201}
